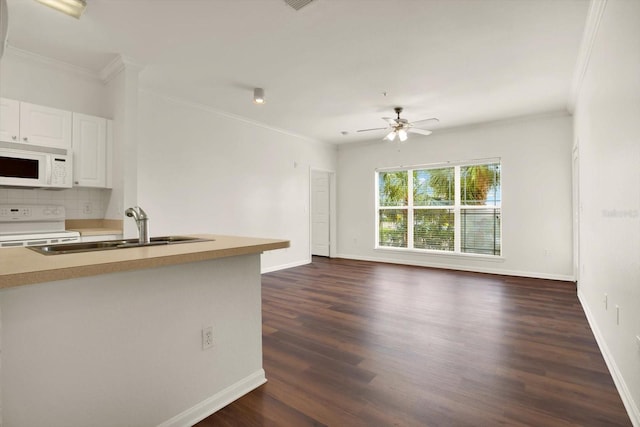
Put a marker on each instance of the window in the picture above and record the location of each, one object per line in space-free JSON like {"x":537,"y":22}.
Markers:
{"x":453,"y":209}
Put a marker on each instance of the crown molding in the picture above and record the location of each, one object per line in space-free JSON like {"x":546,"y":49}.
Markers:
{"x":594,"y":16}
{"x":28,"y":56}
{"x":203,"y":107}
{"x":117,"y":65}
{"x":466,"y":127}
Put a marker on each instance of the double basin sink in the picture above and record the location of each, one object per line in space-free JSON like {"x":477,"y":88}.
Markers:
{"x":72,"y":248}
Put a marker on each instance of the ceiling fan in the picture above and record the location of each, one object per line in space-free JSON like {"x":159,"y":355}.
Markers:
{"x":400,"y":127}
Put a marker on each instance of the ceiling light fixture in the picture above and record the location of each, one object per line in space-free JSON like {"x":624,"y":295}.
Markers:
{"x":258,"y":96}
{"x":400,"y":133}
{"x":402,"y":127}
{"x":70,"y":7}
{"x":391,"y":135}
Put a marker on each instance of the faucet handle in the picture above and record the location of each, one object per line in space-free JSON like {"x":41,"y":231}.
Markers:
{"x":136,"y":213}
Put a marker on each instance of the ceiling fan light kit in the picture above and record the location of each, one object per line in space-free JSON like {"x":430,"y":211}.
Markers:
{"x":402,"y":127}
{"x":402,"y":135}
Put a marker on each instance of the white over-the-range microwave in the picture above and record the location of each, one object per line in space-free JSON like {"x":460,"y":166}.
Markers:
{"x":35,"y":167}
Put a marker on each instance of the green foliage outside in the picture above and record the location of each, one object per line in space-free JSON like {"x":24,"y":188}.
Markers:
{"x":393,"y":188}
{"x":393,"y":228}
{"x":478,"y":182}
{"x":433,"y":229}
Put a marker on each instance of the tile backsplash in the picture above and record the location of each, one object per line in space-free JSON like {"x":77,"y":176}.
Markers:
{"x":80,"y":203}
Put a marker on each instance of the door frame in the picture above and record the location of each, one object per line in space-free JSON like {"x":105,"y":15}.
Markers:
{"x":576,"y":208}
{"x":332,"y":211}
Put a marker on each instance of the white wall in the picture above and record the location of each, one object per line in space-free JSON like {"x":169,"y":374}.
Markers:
{"x":123,"y":102}
{"x":536,"y":193}
{"x":607,"y":129}
{"x":28,"y":77}
{"x":203,"y":172}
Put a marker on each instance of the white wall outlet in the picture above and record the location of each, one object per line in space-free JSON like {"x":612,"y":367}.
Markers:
{"x":207,"y":337}
{"x":87,"y":208}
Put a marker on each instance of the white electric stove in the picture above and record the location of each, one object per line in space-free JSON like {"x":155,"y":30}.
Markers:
{"x":33,"y":225}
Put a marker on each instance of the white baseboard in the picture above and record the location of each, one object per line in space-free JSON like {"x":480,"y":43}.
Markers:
{"x":621,"y":385}
{"x":285,"y":266}
{"x":499,"y":271}
{"x":216,"y":402}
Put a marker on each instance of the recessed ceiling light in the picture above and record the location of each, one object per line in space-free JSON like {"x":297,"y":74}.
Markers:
{"x":258,"y":96}
{"x":70,"y":7}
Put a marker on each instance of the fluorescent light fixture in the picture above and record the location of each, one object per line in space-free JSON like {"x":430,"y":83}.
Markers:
{"x":402,"y":134}
{"x":70,"y":7}
{"x":258,"y":96}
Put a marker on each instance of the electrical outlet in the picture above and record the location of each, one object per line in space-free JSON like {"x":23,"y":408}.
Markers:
{"x":207,"y":337}
{"x":87,"y":208}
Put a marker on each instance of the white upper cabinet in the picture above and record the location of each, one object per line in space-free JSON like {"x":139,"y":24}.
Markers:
{"x":25,"y":123}
{"x":45,"y":126}
{"x":91,"y":151}
{"x":9,"y":120}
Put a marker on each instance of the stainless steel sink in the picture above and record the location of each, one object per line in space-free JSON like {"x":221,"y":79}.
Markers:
{"x":72,"y":248}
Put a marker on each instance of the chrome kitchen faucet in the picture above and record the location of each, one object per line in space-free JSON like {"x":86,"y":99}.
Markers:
{"x":142,"y":221}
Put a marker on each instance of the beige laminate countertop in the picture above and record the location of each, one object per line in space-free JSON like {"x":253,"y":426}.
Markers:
{"x":22,"y":266}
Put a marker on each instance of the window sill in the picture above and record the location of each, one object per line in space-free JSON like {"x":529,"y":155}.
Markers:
{"x":451,"y":255}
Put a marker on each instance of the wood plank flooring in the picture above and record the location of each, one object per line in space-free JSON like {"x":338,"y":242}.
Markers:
{"x":351,"y":343}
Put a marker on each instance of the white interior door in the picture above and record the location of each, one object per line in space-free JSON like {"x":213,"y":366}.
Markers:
{"x":320,"y":209}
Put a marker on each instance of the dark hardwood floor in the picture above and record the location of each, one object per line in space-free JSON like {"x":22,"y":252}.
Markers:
{"x":350,"y":343}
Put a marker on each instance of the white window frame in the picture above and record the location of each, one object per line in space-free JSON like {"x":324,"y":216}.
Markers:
{"x":457,"y":207}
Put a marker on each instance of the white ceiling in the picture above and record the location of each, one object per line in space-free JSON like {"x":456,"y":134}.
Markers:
{"x":325,"y":67}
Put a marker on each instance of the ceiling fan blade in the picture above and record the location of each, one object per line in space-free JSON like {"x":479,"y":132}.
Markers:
{"x":390,"y":120}
{"x":419,"y":131}
{"x":367,"y":130}
{"x":424,"y":121}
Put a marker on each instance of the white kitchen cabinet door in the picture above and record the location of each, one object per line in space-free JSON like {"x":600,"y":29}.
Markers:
{"x":89,"y":151}
{"x":45,"y":126}
{"x":9,"y":120}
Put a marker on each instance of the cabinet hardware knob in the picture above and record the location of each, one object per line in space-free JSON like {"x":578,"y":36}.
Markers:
{"x":14,"y":137}
{"x":25,"y":139}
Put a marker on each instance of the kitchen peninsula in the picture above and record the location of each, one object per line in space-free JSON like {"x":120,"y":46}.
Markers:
{"x":115,"y":337}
